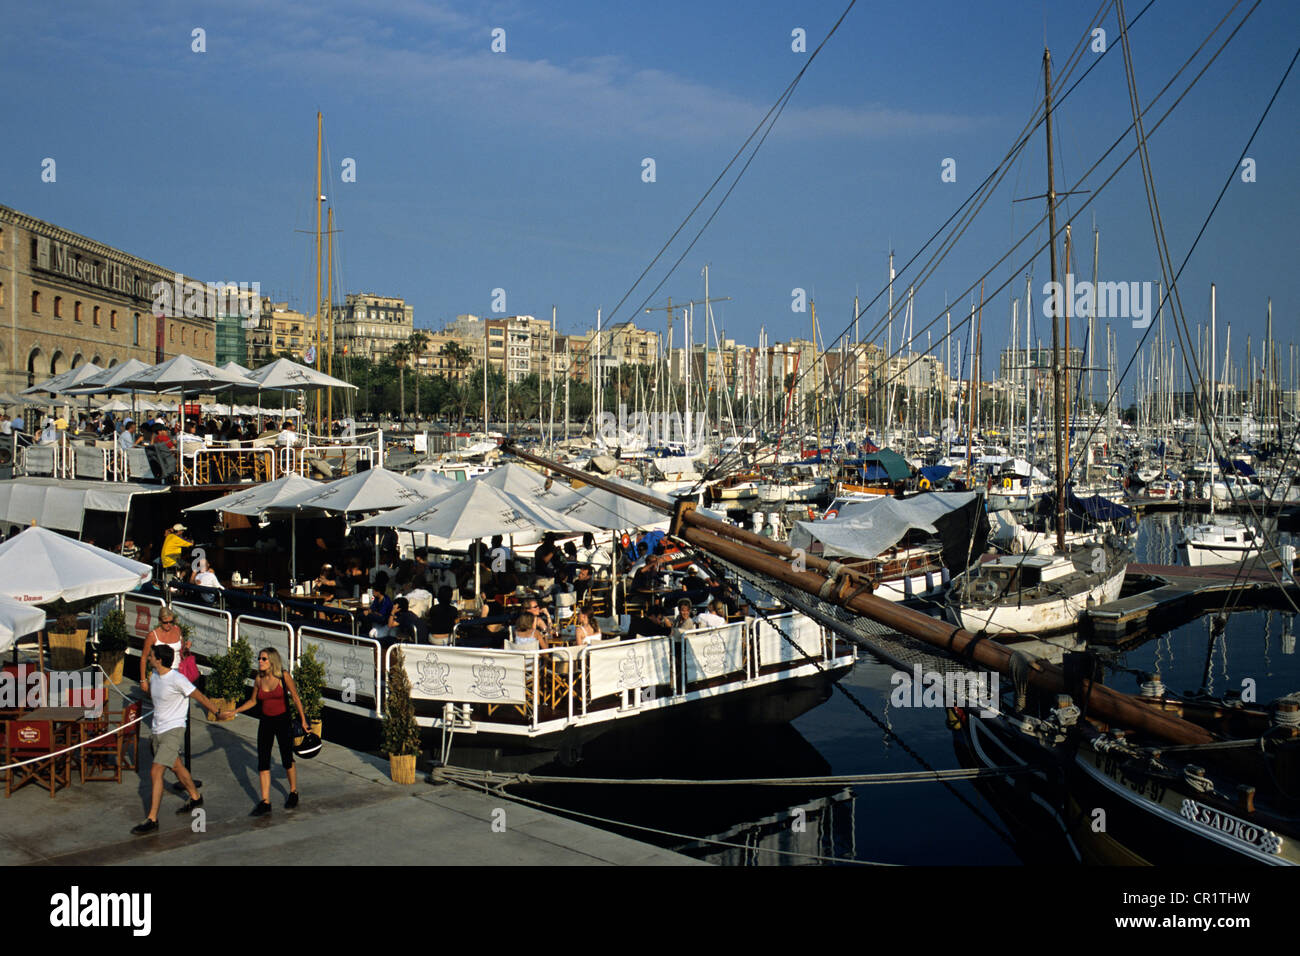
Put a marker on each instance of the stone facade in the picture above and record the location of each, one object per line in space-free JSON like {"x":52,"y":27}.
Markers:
{"x":66,"y":300}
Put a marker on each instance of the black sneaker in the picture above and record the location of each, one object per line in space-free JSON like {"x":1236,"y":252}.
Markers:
{"x":261,"y":810}
{"x":149,"y":826}
{"x":180,"y":787}
{"x":291,"y":801}
{"x":191,"y":805}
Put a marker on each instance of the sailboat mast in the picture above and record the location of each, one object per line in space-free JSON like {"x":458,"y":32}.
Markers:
{"x":319,"y":199}
{"x":329,"y":298}
{"x":1058,"y":404}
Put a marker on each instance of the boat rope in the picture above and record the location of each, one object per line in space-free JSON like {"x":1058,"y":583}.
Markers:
{"x":464,"y":775}
{"x":608,"y":821}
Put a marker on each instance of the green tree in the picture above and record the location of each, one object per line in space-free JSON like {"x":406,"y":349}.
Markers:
{"x":400,"y":353}
{"x":418,"y":343}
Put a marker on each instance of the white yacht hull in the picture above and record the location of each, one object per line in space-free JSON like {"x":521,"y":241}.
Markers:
{"x":1037,"y":617}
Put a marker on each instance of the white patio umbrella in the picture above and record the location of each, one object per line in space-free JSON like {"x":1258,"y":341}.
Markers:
{"x":476,"y":510}
{"x":287,"y":375}
{"x":65,"y":380}
{"x":514,"y":478}
{"x":109,"y":381}
{"x":18,"y":620}
{"x":261,"y":498}
{"x":374,"y":490}
{"x":38,"y":566}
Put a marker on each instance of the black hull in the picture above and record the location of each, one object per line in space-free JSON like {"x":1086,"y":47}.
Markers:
{"x":645,"y":733}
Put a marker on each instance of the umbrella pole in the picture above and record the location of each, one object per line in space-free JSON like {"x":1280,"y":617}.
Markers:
{"x":293,"y":549}
{"x":478,"y":588}
{"x":613,"y":574}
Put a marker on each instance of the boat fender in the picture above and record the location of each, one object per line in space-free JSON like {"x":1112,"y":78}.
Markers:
{"x":1006,"y":482}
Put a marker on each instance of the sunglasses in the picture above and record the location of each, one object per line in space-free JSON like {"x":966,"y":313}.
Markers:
{"x":264,"y":658}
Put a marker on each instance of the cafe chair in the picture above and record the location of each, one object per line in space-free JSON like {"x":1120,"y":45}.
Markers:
{"x":106,"y":758}
{"x":28,"y":739}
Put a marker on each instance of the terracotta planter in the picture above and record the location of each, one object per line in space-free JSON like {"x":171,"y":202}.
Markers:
{"x":113,"y":663}
{"x":401,"y":767}
{"x":67,"y":651}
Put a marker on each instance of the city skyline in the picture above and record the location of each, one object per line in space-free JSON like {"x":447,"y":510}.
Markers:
{"x":523,"y":170}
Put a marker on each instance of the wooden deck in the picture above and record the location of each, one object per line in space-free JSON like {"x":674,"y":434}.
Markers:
{"x":1167,"y":595}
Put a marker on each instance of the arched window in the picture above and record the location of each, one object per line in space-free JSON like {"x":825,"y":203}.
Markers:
{"x":112,"y":319}
{"x":95,"y":316}
{"x":56,"y":363}
{"x":76,"y":311}
{"x":97,"y":361}
{"x":112,"y":362}
{"x":31,"y":365}
{"x":77,"y":360}
{"x":135,"y":335}
{"x":184,"y":335}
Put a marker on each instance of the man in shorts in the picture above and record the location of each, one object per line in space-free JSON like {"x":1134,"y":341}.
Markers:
{"x":170,"y":690}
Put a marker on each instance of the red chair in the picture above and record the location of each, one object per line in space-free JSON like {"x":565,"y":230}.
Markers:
{"x":28,"y":739}
{"x":106,"y":758}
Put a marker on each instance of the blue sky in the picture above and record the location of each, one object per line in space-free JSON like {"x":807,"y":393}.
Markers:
{"x":522,"y":170}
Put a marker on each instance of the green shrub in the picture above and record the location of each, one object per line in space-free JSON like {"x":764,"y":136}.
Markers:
{"x":309,"y":675}
{"x":401,"y":732}
{"x":113,"y":635}
{"x":230,"y":672}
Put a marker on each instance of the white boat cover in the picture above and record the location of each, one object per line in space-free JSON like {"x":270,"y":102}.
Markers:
{"x":877,"y":523}
{"x":62,"y":504}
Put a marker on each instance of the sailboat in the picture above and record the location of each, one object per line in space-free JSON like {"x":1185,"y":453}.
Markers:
{"x":1047,"y":589}
{"x":1224,"y":539}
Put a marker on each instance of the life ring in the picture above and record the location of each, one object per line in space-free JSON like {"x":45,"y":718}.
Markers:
{"x":924,"y":484}
{"x":812,"y":515}
{"x":1006,"y":482}
{"x":625,"y":541}
{"x":832,"y":514}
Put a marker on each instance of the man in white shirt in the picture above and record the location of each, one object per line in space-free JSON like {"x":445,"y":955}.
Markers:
{"x":715,"y":616}
{"x":6,"y":426}
{"x":126,"y":438}
{"x":170,"y":691}
{"x":287,"y":437}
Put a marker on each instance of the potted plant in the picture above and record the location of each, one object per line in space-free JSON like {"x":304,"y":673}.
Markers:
{"x":309,"y":675}
{"x":228,"y":677}
{"x":114,"y":639}
{"x":67,"y":641}
{"x":401,"y":732}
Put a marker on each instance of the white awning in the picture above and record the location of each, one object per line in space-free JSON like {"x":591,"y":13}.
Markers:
{"x":877,"y":523}
{"x":61,"y":505}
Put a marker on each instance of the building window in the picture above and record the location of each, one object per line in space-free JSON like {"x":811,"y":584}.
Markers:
{"x":184,"y":335}
{"x":173,"y":335}
{"x":112,"y":319}
{"x":76,"y":311}
{"x":36,"y":302}
{"x":135,"y":335}
{"x":58,"y":306}
{"x":2,"y":295}
{"x":95,"y":316}
{"x":2,"y":240}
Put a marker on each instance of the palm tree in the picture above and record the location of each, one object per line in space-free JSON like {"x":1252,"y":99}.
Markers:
{"x":418,"y":342}
{"x":460,"y":357}
{"x":400,"y":352}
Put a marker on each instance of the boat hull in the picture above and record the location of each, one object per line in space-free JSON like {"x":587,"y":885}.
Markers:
{"x":1037,"y":617}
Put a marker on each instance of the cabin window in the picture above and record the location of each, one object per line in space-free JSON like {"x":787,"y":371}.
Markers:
{"x":1230,"y":537}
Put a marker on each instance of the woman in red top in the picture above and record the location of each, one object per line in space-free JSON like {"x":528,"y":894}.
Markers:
{"x":272,"y":690}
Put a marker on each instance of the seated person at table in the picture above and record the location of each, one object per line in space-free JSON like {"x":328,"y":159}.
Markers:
{"x":527,"y":635}
{"x":563,"y":583}
{"x":715,"y":616}
{"x":541,"y":615}
{"x":327,"y":583}
{"x":498,"y":587}
{"x":584,"y":625}
{"x":685,"y":619}
{"x":381,"y":606}
{"x":353,"y":576}
{"x":570,"y":552}
{"x":582,"y":582}
{"x":647,"y":578}
{"x":204,"y":577}
{"x":401,"y":620}
{"x":653,"y":623}
{"x":443,"y":617}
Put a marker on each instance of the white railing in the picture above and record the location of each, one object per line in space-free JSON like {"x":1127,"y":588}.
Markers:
{"x":551,"y":688}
